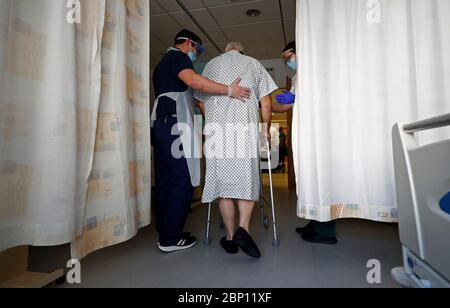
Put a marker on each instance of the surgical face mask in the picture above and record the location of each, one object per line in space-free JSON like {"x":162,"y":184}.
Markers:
{"x":193,"y":56}
{"x":292,"y":64}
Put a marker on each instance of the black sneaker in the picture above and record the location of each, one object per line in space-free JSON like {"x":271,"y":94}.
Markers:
{"x":184,"y":235}
{"x":229,"y":246}
{"x":184,"y":244}
{"x":246,"y":243}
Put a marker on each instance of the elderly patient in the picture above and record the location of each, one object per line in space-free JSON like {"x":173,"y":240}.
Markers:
{"x":232,"y":143}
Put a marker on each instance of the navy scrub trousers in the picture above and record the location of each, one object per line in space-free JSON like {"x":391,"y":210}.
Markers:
{"x":174,"y":190}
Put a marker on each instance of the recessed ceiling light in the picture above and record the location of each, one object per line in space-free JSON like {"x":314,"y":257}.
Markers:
{"x":253,"y":13}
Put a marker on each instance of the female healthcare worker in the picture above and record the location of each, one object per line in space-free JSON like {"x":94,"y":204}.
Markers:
{"x":287,"y":99}
{"x":314,"y":232}
{"x":174,"y":79}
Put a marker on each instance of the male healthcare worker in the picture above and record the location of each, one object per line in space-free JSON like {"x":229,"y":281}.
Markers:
{"x":176,"y":175}
{"x":314,"y":232}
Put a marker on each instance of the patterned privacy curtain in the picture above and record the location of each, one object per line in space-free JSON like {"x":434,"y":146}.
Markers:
{"x":364,"y":66}
{"x":118,"y":198}
{"x":74,"y":122}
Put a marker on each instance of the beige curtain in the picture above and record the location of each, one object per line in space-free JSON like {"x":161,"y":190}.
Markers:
{"x":118,"y":199}
{"x":74,"y":123}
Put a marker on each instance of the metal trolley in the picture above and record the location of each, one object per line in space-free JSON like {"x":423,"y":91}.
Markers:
{"x":262,"y":204}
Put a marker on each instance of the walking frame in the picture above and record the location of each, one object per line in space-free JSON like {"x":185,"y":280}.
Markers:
{"x":262,"y":204}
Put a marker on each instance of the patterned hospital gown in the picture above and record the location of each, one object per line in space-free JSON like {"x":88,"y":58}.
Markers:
{"x":232,"y":129}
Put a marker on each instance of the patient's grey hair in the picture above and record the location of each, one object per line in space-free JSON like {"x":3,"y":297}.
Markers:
{"x":238,"y":46}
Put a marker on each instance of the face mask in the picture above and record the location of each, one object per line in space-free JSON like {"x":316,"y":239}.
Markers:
{"x":292,"y":64}
{"x":193,"y":56}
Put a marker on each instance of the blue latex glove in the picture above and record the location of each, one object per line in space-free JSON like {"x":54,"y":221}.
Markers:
{"x":287,"y":98}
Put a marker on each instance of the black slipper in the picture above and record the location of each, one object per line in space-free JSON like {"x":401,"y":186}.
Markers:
{"x":229,"y":246}
{"x":246,"y":243}
{"x":313,"y":237}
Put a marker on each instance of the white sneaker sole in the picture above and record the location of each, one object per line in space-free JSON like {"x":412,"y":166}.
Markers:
{"x":170,"y":249}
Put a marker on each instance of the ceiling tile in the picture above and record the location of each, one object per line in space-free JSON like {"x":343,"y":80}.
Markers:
{"x":201,"y":15}
{"x":289,"y":8}
{"x":290,"y":25}
{"x":235,"y":14}
{"x":223,"y":20}
{"x":155,"y":8}
{"x":172,"y":6}
{"x":160,"y":24}
{"x":254,"y":31}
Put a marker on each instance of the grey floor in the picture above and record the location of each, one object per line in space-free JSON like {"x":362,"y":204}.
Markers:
{"x":295,"y":264}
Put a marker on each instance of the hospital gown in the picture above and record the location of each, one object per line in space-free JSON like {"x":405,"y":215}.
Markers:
{"x":232,"y":129}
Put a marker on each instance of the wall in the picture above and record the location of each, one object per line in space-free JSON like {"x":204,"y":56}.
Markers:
{"x":280,"y":71}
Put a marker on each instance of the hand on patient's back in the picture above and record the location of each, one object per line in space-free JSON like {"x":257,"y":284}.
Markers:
{"x":287,"y":98}
{"x":241,"y":93}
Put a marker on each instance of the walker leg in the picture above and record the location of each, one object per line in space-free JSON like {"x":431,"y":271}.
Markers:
{"x":276,"y":241}
{"x":208,"y":227}
{"x":261,"y":198}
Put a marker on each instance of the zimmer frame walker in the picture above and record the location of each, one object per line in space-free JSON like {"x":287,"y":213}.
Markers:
{"x":262,"y":204}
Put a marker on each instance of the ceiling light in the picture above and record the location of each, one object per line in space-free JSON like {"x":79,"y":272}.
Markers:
{"x":253,"y":13}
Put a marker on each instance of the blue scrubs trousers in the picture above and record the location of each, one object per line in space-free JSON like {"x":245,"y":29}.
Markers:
{"x":174,"y":190}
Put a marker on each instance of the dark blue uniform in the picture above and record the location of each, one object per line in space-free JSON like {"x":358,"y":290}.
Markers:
{"x":174,"y":190}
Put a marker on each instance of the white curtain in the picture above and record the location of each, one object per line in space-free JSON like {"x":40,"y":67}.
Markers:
{"x":364,"y":65}
{"x":74,"y":127}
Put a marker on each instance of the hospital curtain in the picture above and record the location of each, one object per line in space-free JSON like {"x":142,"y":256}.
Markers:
{"x":364,"y":65}
{"x":74,"y":127}
{"x":118,"y":198}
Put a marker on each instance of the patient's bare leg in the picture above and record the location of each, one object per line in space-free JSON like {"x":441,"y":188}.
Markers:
{"x":245,"y":213}
{"x":229,"y":216}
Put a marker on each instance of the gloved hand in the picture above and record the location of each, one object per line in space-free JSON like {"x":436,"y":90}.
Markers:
{"x":287,"y":98}
{"x":238,"y":92}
